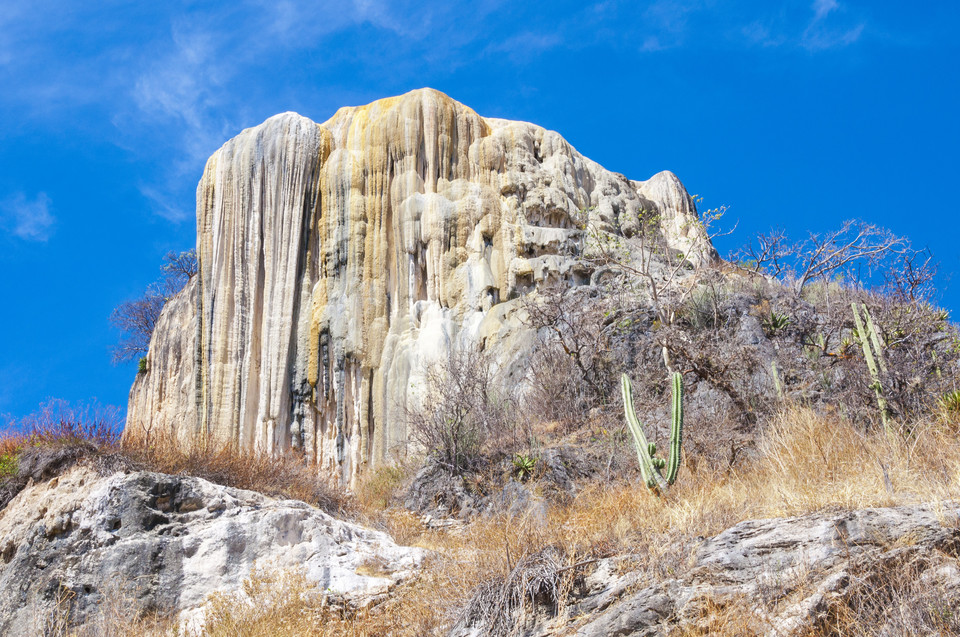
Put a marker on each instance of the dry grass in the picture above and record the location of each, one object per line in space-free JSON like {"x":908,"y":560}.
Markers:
{"x":10,"y":446}
{"x":97,"y":440}
{"x":284,"y":476}
{"x":806,"y":462}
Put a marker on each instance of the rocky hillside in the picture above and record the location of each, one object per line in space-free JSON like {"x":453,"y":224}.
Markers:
{"x":388,"y":404}
{"x":338,"y":260}
{"x":93,"y":548}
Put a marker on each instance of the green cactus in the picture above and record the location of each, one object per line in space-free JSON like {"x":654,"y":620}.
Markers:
{"x":651,"y":467}
{"x":868,"y":335}
{"x":776,"y":379}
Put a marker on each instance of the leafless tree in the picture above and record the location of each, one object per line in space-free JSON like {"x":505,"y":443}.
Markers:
{"x":661,"y":270}
{"x":911,"y":278}
{"x":180,"y":265}
{"x":462,"y":410}
{"x":580,"y":327}
{"x":137,"y":319}
{"x":834,"y":252}
{"x":854,"y":243}
{"x":771,"y":253}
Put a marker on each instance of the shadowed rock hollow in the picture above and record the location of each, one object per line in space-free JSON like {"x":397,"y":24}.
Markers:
{"x":337,"y":260}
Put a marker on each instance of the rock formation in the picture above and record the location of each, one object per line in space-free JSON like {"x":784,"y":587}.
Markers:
{"x":337,"y":260}
{"x":782,"y":574}
{"x":72,"y":545}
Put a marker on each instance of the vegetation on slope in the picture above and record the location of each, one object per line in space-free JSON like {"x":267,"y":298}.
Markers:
{"x":782,"y":419}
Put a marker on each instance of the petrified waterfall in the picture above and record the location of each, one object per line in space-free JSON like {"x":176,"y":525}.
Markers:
{"x":337,"y":260}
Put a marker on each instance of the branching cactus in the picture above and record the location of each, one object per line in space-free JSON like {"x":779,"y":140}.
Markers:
{"x":651,"y":467}
{"x":868,"y":335}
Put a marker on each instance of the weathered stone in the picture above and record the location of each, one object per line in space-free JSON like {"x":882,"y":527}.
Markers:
{"x":165,"y":543}
{"x":338,"y":260}
{"x":782,"y":573}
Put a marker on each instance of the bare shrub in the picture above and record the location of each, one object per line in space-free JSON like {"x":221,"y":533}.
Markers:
{"x":728,"y":369}
{"x":585,"y":342}
{"x":646,"y":261}
{"x":911,"y":279}
{"x":464,"y":410}
{"x":60,"y":422}
{"x":579,"y":323}
{"x":556,"y":391}
{"x":59,"y":435}
{"x":921,"y":356}
{"x":285,"y":475}
{"x":499,"y":604}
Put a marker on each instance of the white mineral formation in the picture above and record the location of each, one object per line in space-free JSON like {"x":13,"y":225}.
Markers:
{"x":72,"y":546}
{"x":337,"y":260}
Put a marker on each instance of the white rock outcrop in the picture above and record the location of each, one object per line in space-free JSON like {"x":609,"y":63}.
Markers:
{"x":73,"y":544}
{"x":337,"y":260}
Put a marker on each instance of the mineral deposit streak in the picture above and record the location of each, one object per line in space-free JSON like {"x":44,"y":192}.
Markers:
{"x":339,"y":260}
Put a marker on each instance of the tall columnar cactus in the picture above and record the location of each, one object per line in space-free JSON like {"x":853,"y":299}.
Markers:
{"x":650,"y":465}
{"x":868,"y":335}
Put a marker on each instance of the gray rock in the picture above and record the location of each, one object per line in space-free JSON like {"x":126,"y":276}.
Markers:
{"x":166,"y":543}
{"x":783,"y":572}
{"x":439,"y":493}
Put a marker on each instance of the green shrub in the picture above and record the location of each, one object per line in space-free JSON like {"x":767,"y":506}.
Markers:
{"x":9,"y":464}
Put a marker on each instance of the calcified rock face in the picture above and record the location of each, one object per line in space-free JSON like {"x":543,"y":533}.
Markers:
{"x":80,"y":544}
{"x":338,"y":259}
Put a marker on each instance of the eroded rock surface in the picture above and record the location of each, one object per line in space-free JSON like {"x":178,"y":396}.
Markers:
{"x":164,"y":543}
{"x":337,"y":260}
{"x":781,"y":577}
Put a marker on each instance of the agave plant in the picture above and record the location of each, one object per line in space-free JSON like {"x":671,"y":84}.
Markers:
{"x":950,"y":403}
{"x":774,"y":322}
{"x":523,"y":466}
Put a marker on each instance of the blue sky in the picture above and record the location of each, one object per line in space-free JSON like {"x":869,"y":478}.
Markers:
{"x":795,"y":114}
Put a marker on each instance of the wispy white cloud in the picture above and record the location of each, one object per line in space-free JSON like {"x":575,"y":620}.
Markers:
{"x":830,"y":26}
{"x":821,"y":34}
{"x":667,"y":23}
{"x":821,"y":8}
{"x":759,"y":33}
{"x":525,"y":45}
{"x":164,"y":201}
{"x":28,"y":219}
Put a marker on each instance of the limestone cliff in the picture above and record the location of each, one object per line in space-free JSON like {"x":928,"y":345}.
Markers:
{"x":337,"y":259}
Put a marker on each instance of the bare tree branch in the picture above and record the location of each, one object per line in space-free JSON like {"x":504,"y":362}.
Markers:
{"x":137,"y":319}
{"x":770,"y":254}
{"x":854,"y":243}
{"x":824,"y":254}
{"x":911,"y":278}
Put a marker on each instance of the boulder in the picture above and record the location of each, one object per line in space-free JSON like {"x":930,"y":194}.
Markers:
{"x":164,"y":543}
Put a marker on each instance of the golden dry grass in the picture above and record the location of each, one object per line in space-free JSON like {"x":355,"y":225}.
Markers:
{"x":805,"y":462}
{"x":284,"y":475}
